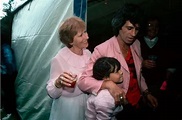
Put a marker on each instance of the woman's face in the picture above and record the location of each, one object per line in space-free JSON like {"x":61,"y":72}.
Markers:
{"x":80,"y":40}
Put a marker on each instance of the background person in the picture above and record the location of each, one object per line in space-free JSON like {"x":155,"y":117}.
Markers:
{"x":157,"y":65}
{"x":8,"y":76}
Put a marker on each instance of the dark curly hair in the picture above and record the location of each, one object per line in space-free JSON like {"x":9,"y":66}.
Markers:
{"x":128,"y":11}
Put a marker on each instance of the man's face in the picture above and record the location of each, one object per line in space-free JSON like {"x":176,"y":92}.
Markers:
{"x":152,"y":29}
{"x":129,"y":32}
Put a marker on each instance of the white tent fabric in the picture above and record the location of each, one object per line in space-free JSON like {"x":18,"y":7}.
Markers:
{"x":35,"y":42}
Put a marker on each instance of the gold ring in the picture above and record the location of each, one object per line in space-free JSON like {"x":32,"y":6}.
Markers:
{"x":121,"y":97}
{"x":62,"y":77}
{"x":61,"y":82}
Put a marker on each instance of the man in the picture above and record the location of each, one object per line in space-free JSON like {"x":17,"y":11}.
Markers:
{"x":155,"y":59}
{"x":126,"y":48}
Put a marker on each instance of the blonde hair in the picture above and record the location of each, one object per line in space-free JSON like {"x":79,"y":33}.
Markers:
{"x":69,"y":29}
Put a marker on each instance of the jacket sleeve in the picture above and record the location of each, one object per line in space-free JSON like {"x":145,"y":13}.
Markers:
{"x":87,"y":82}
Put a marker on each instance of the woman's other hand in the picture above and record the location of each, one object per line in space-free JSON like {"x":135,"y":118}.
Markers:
{"x":65,"y":79}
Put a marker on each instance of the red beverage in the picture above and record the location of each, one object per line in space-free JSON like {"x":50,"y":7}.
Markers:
{"x":73,"y":83}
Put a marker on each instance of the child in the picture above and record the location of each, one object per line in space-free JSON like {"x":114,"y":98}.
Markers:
{"x":102,"y":106}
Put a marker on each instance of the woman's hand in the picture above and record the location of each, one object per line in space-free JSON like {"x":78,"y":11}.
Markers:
{"x":65,"y":79}
{"x":114,"y":90}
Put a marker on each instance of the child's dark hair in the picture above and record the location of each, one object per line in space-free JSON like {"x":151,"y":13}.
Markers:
{"x":104,"y":66}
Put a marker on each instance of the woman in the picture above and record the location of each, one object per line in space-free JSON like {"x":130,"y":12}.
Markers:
{"x":69,"y":102}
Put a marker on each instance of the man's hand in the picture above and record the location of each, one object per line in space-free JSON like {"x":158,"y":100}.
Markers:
{"x":114,"y":90}
{"x":149,"y":64}
{"x":150,"y":98}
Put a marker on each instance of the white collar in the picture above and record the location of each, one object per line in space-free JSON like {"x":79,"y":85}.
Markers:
{"x":150,"y":42}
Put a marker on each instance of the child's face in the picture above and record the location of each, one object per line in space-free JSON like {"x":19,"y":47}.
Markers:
{"x":117,"y":76}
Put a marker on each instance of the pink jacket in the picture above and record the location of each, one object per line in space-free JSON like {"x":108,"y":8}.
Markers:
{"x":111,"y":48}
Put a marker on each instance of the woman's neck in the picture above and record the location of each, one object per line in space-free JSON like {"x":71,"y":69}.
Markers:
{"x":76,"y":50}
